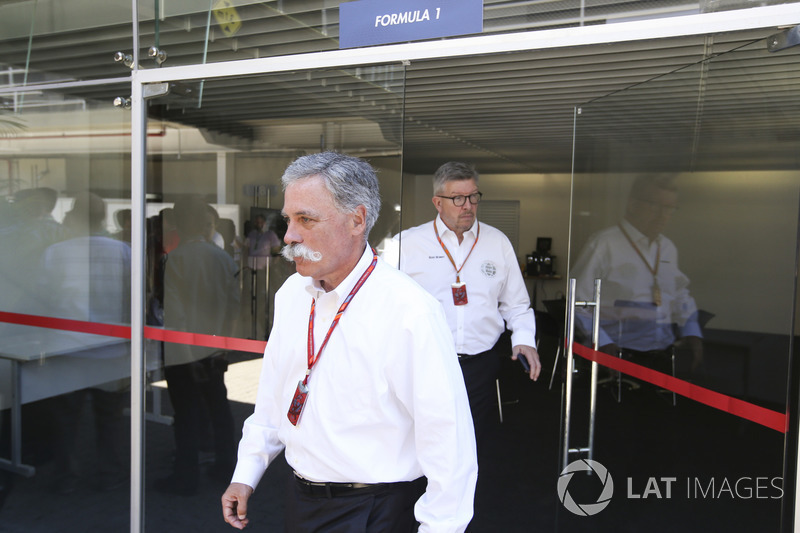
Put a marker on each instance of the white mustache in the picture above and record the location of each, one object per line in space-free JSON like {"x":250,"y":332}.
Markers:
{"x":298,"y":250}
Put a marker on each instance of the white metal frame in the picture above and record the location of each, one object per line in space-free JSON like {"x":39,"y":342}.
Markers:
{"x":700,"y":24}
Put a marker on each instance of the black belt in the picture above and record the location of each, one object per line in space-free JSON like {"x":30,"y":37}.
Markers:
{"x":467,"y":356}
{"x":332,"y":490}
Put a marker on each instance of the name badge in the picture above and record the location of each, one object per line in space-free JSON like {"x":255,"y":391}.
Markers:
{"x":298,"y":402}
{"x":459,"y":294}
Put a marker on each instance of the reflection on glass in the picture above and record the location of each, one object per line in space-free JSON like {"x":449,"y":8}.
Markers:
{"x":726,"y":218}
{"x":87,"y":277}
{"x":646,"y":304}
{"x":52,"y":41}
{"x":64,"y":255}
{"x":201,"y":295}
{"x":230,"y":153}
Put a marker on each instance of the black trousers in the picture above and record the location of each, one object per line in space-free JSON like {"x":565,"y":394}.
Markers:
{"x":660,"y":360}
{"x":387,"y":509}
{"x":111,"y":432}
{"x":480,"y":376}
{"x":199,"y":397}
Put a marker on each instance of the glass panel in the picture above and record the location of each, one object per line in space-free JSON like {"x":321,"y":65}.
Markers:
{"x":49,"y":41}
{"x":503,"y":16}
{"x":698,"y":267}
{"x":226,"y":30}
{"x":65,"y":254}
{"x":225,"y":143}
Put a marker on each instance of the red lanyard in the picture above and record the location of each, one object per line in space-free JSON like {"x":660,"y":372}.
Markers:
{"x":312,"y":358}
{"x":450,"y":257}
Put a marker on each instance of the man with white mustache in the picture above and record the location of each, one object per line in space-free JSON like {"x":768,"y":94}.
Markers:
{"x":367,"y":399}
{"x":299,"y":251}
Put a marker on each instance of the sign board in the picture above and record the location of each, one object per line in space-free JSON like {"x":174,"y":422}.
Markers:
{"x":371,"y":22}
{"x":227,"y":17}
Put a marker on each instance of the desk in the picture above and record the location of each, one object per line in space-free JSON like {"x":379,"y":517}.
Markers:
{"x":38,"y":363}
{"x":535,"y":286}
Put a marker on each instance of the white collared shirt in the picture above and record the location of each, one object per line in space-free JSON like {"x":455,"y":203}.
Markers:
{"x":386,"y":398}
{"x":496,"y":292}
{"x":628,"y":315}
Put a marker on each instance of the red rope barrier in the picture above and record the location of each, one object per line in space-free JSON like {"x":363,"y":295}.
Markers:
{"x":748,"y":411}
{"x":124,"y":332}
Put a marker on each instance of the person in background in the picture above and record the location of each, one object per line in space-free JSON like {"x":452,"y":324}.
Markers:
{"x":87,"y":277}
{"x":30,"y":229}
{"x":216,"y":236}
{"x":201,"y":295}
{"x":470,"y":267}
{"x":123,"y":220}
{"x":261,"y":244}
{"x":646,"y":307}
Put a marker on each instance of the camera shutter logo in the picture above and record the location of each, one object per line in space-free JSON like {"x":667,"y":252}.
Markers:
{"x":585,"y":509}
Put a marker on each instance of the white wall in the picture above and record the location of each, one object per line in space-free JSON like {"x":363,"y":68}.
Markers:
{"x":737,"y":237}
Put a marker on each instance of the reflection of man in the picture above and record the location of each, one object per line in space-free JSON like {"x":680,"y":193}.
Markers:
{"x":201,"y":295}
{"x":644,"y":295}
{"x":88,"y":278}
{"x":366,"y":397}
{"x":261,"y":244}
{"x":472,"y":270}
{"x":30,"y":231}
{"x":123,"y":220}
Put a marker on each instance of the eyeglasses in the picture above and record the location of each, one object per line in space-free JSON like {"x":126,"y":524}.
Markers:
{"x":458,"y":201}
{"x":657,"y":206}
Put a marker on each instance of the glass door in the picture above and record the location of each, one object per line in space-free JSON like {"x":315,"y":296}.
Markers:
{"x":697,"y":262}
{"x":65,"y":285}
{"x":216,"y":150}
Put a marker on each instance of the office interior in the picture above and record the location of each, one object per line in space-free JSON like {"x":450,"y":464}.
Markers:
{"x":560,"y":106}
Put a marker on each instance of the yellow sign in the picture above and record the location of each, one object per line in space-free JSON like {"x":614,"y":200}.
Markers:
{"x":227,"y":17}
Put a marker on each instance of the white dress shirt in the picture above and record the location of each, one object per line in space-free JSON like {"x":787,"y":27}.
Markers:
{"x":496,"y":291}
{"x":201,"y":295}
{"x":628,"y":316}
{"x":87,"y":278}
{"x":386,"y":399}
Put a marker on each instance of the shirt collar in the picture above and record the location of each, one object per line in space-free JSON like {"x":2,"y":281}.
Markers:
{"x":343,"y":289}
{"x":444,"y":230}
{"x":637,"y":235}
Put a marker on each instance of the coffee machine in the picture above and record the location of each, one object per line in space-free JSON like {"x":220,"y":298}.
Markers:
{"x":540,"y":261}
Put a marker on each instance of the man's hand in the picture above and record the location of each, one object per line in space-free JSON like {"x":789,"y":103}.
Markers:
{"x":234,"y":504}
{"x":694,"y":345}
{"x":529,"y":353}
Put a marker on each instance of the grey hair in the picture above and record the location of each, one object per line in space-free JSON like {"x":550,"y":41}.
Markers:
{"x":351,"y":181}
{"x":646,"y":182}
{"x":453,"y":171}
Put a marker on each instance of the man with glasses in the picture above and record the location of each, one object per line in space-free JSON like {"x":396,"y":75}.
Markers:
{"x":471,"y":268}
{"x":646,"y":308}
